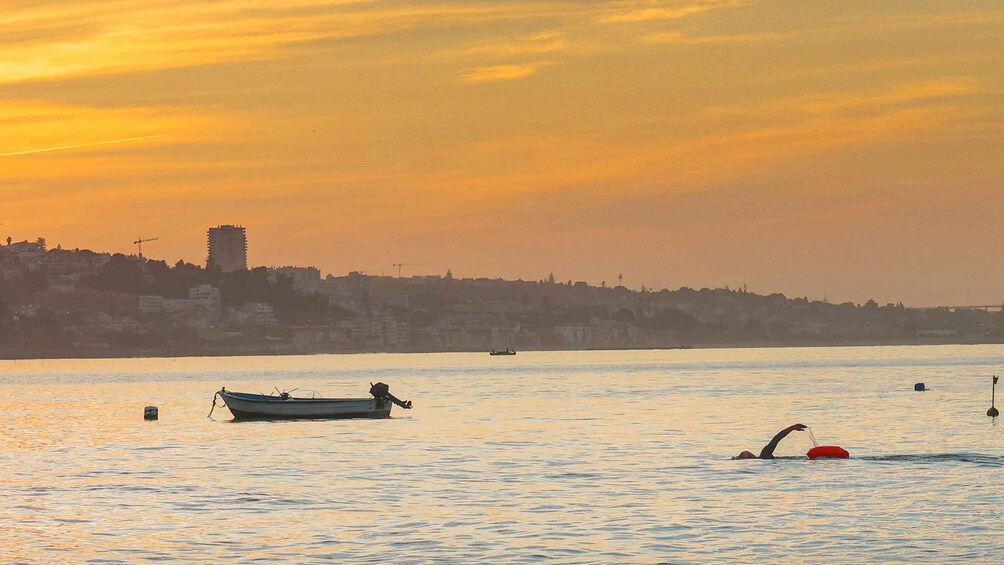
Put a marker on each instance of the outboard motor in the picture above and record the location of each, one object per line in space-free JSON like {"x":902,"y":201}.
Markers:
{"x":381,"y":391}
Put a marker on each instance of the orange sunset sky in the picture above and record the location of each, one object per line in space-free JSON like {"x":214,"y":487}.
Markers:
{"x":847,"y":150}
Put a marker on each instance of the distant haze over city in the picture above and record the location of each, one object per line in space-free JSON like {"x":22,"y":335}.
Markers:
{"x":982,"y":293}
{"x":846,"y":150}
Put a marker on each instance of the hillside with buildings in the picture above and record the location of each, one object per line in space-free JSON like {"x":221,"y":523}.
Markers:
{"x":81,"y":303}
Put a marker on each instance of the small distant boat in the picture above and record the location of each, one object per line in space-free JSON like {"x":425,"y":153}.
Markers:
{"x":506,"y":352}
{"x":284,"y":406}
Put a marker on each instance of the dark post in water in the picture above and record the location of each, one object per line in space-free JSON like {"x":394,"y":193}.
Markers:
{"x":993,"y":412}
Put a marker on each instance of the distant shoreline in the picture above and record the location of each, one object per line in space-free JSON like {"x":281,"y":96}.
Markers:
{"x":116,"y":353}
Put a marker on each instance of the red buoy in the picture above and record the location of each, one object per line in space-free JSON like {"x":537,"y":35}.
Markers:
{"x":828,"y":451}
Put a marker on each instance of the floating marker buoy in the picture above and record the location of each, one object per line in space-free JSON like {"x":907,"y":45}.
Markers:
{"x":993,"y":412}
{"x":150,"y":413}
{"x":919,"y":387}
{"x":828,"y":451}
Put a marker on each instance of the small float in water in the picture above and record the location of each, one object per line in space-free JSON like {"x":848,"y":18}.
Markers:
{"x":828,"y":452}
{"x":825,"y":451}
{"x":284,"y":406}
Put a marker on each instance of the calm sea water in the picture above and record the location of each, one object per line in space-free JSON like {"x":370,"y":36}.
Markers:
{"x":557,"y":457}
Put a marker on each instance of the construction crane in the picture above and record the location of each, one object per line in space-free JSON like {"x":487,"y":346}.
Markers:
{"x":399,"y":265}
{"x":139,"y":244}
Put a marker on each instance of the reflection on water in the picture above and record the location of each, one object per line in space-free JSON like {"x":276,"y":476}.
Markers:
{"x":588,"y":456}
{"x":988,"y":460}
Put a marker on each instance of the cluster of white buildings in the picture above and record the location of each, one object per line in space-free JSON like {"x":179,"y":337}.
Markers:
{"x":203,"y":309}
{"x":596,"y":333}
{"x":306,"y":280}
{"x":27,"y":253}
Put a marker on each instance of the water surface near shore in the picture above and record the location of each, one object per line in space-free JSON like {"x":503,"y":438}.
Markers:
{"x":593,"y":456}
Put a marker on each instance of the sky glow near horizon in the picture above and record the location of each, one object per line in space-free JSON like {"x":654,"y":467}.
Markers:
{"x":847,"y":150}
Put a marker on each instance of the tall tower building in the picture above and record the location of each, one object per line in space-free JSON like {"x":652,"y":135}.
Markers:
{"x":228,"y":248}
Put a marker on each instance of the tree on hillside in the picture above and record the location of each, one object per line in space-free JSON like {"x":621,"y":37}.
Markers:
{"x":674,"y":319}
{"x":6,"y":317}
{"x":120,"y":274}
{"x":175,"y":282}
{"x":623,"y":315}
{"x":242,"y":287}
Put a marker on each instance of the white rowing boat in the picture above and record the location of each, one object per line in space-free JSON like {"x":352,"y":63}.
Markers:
{"x":284,"y":406}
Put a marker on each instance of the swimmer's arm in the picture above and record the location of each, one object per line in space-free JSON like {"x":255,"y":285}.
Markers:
{"x":768,"y":450}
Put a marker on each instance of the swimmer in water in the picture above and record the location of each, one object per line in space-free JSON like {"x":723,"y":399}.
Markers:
{"x":768,"y":450}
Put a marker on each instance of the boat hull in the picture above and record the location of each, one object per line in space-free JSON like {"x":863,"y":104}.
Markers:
{"x":246,"y":406}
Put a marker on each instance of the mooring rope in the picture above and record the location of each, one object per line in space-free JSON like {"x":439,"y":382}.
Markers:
{"x":210,"y":415}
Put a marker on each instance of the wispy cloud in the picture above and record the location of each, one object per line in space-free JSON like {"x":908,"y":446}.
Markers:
{"x":834,"y":104}
{"x":675,"y":37}
{"x":654,"y":10}
{"x":536,"y":44}
{"x":107,"y":36}
{"x":502,"y":72}
{"x":945,"y":19}
{"x":837,"y":28}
